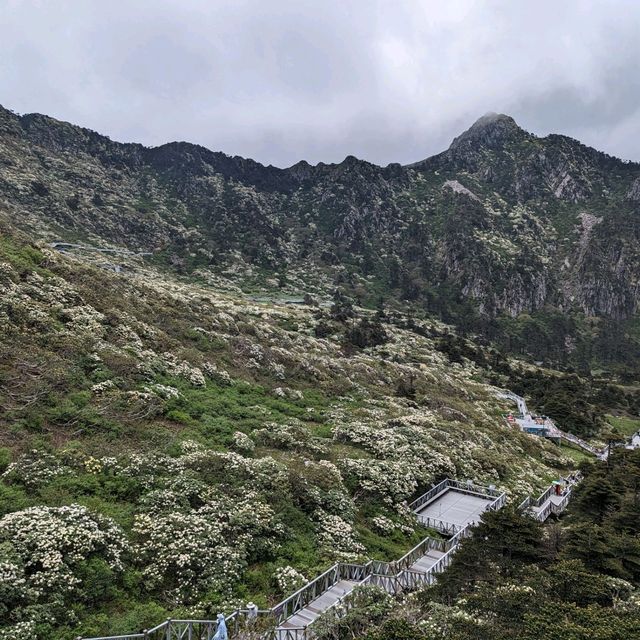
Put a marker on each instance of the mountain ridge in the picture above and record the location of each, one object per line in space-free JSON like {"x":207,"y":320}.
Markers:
{"x":490,"y":228}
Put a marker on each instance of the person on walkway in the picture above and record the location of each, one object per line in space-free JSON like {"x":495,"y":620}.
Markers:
{"x":221,"y":631}
{"x":252,"y":612}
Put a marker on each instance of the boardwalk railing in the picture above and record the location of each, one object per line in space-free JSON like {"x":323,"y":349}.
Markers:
{"x":393,"y":577}
{"x":463,"y":487}
{"x":303,"y":596}
{"x":545,"y":504}
{"x":429,"y":495}
{"x":447,"y":528}
{"x":177,"y":630}
{"x":543,"y":497}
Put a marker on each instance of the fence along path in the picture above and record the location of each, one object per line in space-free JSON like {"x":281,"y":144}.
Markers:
{"x":551,"y":431}
{"x":458,"y":505}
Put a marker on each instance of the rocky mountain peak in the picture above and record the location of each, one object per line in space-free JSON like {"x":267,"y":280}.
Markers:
{"x":492,"y":131}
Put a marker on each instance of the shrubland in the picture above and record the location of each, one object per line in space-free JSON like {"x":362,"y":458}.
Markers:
{"x":171,"y":446}
{"x":573,"y":579}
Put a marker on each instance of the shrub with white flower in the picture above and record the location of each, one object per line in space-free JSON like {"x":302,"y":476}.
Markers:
{"x":35,"y":469}
{"x":219,"y":376}
{"x":288,"y":579}
{"x":44,"y":552}
{"x":242,"y":443}
{"x":337,"y":537}
{"x":382,"y":524}
{"x":392,"y":480}
{"x":189,"y":552}
{"x":19,"y":631}
{"x":101,"y":387}
{"x":185,"y":370}
{"x":186,"y":554}
{"x":164,"y":391}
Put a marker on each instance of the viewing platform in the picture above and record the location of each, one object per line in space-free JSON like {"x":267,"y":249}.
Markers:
{"x":450,"y":507}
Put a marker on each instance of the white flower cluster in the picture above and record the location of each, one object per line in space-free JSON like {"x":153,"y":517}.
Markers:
{"x":35,"y":469}
{"x":286,"y":392}
{"x":83,"y":319}
{"x":182,"y":368}
{"x":288,"y":579}
{"x":101,"y":387}
{"x":19,"y":631}
{"x":383,"y":524}
{"x":261,"y":473}
{"x":242,"y":443}
{"x":392,"y":480}
{"x":93,"y":465}
{"x":163,"y":390}
{"x":47,"y":546}
{"x":337,"y":537}
{"x":220,"y":376}
{"x":198,"y":550}
{"x":294,"y":435}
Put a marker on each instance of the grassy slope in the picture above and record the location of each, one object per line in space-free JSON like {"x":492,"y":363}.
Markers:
{"x":233,"y":366}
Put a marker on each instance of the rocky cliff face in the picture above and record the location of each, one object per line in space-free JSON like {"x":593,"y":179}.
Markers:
{"x":502,"y":220}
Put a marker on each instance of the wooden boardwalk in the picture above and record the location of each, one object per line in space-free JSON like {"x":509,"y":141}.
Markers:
{"x":328,"y":599}
{"x":450,"y":507}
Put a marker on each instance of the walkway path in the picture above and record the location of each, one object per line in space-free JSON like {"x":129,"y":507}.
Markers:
{"x":548,"y":428}
{"x":65,"y":246}
{"x":450,"y":507}
{"x":316,"y":607}
{"x":454,"y":507}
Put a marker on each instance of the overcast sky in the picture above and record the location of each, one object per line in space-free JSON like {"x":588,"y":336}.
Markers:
{"x":318,"y":80}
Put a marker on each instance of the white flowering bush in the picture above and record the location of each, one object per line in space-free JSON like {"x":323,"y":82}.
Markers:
{"x":220,"y":376}
{"x":443,"y":621}
{"x":186,"y":554}
{"x":337,"y":538}
{"x":19,"y":631}
{"x":293,"y":436}
{"x":382,"y":524}
{"x":164,"y":391}
{"x":44,"y":552}
{"x":287,"y":579}
{"x":101,"y":387}
{"x":242,"y":443}
{"x":190,"y":551}
{"x":185,"y":370}
{"x":393,"y":481}
{"x":35,"y":469}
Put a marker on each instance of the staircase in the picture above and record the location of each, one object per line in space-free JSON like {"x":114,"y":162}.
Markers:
{"x":459,"y":505}
{"x":550,"y":430}
{"x":328,"y":599}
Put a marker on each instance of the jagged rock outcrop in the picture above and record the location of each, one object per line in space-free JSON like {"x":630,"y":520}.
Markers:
{"x":498,"y":219}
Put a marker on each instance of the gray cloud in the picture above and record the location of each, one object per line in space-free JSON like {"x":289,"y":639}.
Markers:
{"x":279,"y":81}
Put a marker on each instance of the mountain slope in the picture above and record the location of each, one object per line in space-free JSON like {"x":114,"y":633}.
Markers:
{"x":171,"y":448}
{"x":501,"y":224}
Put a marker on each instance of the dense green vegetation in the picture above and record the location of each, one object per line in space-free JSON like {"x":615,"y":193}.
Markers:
{"x":177,"y":439}
{"x":578,"y":579}
{"x":170,"y":449}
